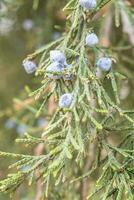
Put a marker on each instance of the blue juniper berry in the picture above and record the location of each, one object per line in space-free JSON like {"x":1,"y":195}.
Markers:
{"x":92,"y":40}
{"x":21,"y":129}
{"x":104,"y":63}
{"x":28,"y":24}
{"x":65,"y":100}
{"x":29,"y":66}
{"x":88,"y":4}
{"x":56,"y":35}
{"x":10,"y":124}
{"x":41,"y":122}
{"x":55,"y":67}
{"x":58,"y":56}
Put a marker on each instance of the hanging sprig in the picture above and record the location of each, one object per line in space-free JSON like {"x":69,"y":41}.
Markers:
{"x":86,"y":110}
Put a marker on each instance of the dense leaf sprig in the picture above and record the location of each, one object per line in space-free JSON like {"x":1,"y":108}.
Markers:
{"x":94,"y":114}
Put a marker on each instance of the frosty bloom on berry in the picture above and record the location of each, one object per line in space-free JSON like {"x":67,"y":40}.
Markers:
{"x":21,"y":129}
{"x":65,"y":100}
{"x":92,"y":40}
{"x":29,"y":66}
{"x":28,"y":24}
{"x":41,"y":122}
{"x":104,"y":63}
{"x":54,"y":68}
{"x":58,"y":56}
{"x":10,"y":124}
{"x":56,"y":35}
{"x":88,"y":4}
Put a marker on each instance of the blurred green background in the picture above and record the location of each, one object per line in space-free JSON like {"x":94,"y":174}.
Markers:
{"x":24,"y":27}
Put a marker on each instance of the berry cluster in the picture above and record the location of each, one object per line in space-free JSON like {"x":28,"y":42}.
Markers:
{"x":20,"y":128}
{"x":58,"y":59}
{"x":58,"y":65}
{"x":104,"y":63}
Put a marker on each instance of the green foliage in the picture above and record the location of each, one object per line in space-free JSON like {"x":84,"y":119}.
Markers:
{"x":97,"y":116}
